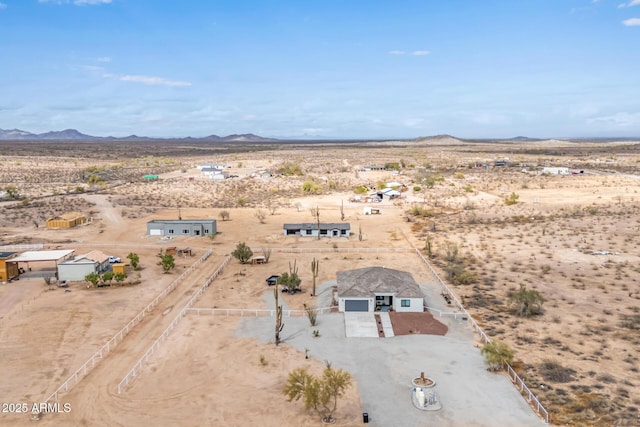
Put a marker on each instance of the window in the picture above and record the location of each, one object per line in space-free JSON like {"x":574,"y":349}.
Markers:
{"x":309,"y":232}
{"x":171,"y":231}
{"x":185,"y":231}
{"x":206,"y":231}
{"x":405,"y":303}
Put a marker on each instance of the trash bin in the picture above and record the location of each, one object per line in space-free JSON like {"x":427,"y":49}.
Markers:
{"x":365,"y":417}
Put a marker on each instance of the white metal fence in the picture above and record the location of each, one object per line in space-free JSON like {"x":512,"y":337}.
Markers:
{"x":119,"y":336}
{"x":524,"y":390}
{"x":355,"y":250}
{"x":130,"y":376}
{"x":32,"y":247}
{"x":251,"y":312}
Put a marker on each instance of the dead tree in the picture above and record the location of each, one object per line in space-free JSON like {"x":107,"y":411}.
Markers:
{"x":342,"y":210}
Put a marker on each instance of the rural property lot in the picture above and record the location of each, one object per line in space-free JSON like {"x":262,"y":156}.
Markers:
{"x":573,"y":238}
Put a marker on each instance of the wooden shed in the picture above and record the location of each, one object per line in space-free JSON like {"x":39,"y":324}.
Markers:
{"x":119,"y":268}
{"x":67,"y":220}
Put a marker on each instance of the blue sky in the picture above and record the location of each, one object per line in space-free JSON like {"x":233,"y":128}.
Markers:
{"x":330,"y":68}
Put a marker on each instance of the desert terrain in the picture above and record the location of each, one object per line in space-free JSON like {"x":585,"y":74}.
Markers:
{"x":573,"y":238}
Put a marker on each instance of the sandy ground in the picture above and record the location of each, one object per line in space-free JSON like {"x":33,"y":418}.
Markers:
{"x":209,"y":369}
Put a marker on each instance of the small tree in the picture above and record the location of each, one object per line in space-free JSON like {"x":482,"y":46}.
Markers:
{"x":107,"y":276}
{"x":342,"y":210}
{"x":314,"y":272}
{"x":526,"y":302}
{"x":242,"y":253}
{"x":134,"y":259}
{"x":224,"y":215}
{"x":360,"y":235}
{"x":497,"y":354}
{"x":260,"y":215}
{"x":312,"y":314}
{"x":120,"y":277}
{"x":167,"y":261}
{"x":320,"y":394}
{"x":266,"y":253}
{"x":92,"y":278}
{"x":291,"y":279}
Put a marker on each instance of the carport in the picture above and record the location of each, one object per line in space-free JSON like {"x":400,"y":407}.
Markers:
{"x":29,"y":257}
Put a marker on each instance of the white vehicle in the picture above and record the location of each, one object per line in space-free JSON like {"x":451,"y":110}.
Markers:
{"x":114,"y":259}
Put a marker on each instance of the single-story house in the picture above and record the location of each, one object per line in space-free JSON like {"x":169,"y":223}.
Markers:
{"x":8,"y":270}
{"x":389,"y":193}
{"x":76,"y":268}
{"x":555,"y":171}
{"x":311,"y":229}
{"x":181,"y":227}
{"x":203,"y":166}
{"x":378,"y":288}
{"x":67,"y":220}
{"x":374,"y":167}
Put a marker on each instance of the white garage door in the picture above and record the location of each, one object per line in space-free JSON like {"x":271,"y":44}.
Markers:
{"x":155,"y":232}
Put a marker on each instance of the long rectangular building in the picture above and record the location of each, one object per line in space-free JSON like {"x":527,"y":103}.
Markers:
{"x":181,"y":227}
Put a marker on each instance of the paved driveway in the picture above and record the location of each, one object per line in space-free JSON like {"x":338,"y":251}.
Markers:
{"x":358,"y":324}
{"x":383,"y":369}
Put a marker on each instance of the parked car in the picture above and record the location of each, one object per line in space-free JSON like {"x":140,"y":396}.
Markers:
{"x":272,"y":280}
{"x":114,"y":259}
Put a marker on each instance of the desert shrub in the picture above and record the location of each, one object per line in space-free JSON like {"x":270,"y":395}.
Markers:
{"x":497,"y":354}
{"x":242,"y":201}
{"x":553,"y":371}
{"x":468,"y":188}
{"x":511,"y":199}
{"x":224,"y":215}
{"x":458,"y":175}
{"x":526,"y":302}
{"x":417,"y":188}
{"x":310,"y":187}
{"x":360,"y":189}
{"x":289,"y":168}
{"x":392,"y":166}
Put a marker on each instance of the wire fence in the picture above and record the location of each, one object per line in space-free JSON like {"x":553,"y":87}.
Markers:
{"x":515,"y":378}
{"x":251,"y":312}
{"x":137,"y":367}
{"x":119,"y":336}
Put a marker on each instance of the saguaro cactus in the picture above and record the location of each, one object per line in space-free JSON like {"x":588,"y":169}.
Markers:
{"x":314,"y":271}
{"x":279,"y":324}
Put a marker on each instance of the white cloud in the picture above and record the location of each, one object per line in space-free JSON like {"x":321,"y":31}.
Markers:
{"x":629,"y":4}
{"x":152,"y":80}
{"x":633,"y":22}
{"x":420,"y":52}
{"x":396,"y":52}
{"x":103,"y":59}
{"x":80,"y":2}
{"x":2,"y":6}
{"x":618,"y":120}
{"x":76,"y":2}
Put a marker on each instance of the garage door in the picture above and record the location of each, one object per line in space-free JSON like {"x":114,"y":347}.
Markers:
{"x":356,"y":305}
{"x":155,"y":232}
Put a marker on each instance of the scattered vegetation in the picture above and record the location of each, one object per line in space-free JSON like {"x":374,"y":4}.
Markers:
{"x":320,"y":394}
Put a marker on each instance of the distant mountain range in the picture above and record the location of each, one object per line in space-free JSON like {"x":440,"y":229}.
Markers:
{"x":74,"y":135}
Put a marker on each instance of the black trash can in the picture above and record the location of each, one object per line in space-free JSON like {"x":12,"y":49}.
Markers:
{"x":365,"y":417}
